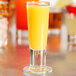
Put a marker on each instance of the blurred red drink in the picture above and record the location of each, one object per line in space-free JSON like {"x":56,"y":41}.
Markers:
{"x":21,"y":20}
{"x":21,"y":16}
{"x":71,"y":9}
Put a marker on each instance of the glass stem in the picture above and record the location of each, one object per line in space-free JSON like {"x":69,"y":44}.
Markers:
{"x":37,"y":58}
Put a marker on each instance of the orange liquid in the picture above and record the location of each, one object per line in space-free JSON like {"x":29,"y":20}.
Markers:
{"x":38,"y":18}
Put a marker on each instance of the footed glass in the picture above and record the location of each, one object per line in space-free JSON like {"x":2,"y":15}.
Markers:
{"x":38,"y":18}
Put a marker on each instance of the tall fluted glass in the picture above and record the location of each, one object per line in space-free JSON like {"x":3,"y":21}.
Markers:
{"x":38,"y":18}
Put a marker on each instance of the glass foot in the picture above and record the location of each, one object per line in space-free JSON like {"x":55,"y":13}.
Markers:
{"x":37,"y":70}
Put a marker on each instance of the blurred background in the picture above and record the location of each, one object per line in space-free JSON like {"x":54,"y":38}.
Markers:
{"x":62,"y":20}
{"x":14,"y":42}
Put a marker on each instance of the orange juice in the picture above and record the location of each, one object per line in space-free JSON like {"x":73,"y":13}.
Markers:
{"x":38,"y":17}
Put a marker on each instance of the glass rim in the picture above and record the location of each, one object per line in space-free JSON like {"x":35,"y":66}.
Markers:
{"x":38,"y":3}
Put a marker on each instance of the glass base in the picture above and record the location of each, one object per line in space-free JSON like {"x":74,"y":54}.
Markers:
{"x":54,"y":32}
{"x":22,"y":37}
{"x":37,"y":63}
{"x":36,"y":70}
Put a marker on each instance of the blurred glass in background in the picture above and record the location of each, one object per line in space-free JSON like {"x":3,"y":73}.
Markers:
{"x":21,"y":17}
{"x":56,"y":16}
{"x":3,"y":23}
{"x":55,"y":21}
{"x":70,"y":19}
{"x":21,"y":21}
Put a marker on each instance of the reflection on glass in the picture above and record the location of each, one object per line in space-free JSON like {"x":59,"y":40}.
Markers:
{"x":21,"y":20}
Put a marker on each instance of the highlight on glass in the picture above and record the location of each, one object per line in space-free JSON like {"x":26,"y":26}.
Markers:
{"x":38,"y":19}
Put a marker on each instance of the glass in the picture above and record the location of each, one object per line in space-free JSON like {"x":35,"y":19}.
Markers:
{"x":55,"y":20}
{"x":38,"y":18}
{"x":3,"y":23}
{"x":70,"y":18}
{"x":21,"y":20}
